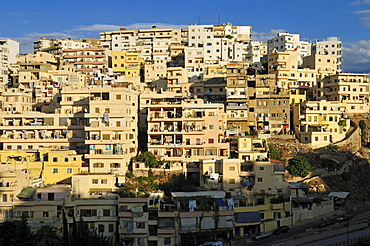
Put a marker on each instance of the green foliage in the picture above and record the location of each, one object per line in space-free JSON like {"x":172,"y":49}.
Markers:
{"x":276,"y":154}
{"x":149,"y":159}
{"x":253,"y":133}
{"x":178,"y":183}
{"x":343,"y":123}
{"x":362,"y":124}
{"x":300,"y":166}
{"x":129,"y":175}
{"x":332,"y":147}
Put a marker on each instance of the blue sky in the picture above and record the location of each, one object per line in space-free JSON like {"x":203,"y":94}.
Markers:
{"x":26,"y":21}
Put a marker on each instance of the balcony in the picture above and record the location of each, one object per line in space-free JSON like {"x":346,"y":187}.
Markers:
{"x":166,"y":230}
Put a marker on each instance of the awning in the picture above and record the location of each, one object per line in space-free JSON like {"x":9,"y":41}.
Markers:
{"x":226,"y":222}
{"x":207,"y":223}
{"x":221,"y":202}
{"x":27,"y":193}
{"x":248,"y":217}
{"x":188,"y":224}
{"x":165,"y":222}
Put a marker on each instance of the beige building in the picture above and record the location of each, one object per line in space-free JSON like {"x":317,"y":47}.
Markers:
{"x":186,"y":130}
{"x":352,"y":89}
{"x":56,"y":46}
{"x":320,"y":123}
{"x":41,"y":206}
{"x":98,"y":214}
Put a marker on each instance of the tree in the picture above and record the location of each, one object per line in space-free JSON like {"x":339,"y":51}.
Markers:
{"x":149,"y":159}
{"x":300,"y":166}
{"x":178,"y":183}
{"x":47,"y":236}
{"x":276,"y":154}
{"x":15,"y":233}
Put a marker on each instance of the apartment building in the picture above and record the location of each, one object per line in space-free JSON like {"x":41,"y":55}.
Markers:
{"x":51,"y":166}
{"x":86,"y":60}
{"x":111,"y":133}
{"x":127,"y":63}
{"x":13,"y":179}
{"x":56,"y":46}
{"x":9,"y":49}
{"x":352,"y":89}
{"x":186,"y":130}
{"x":320,"y":123}
{"x":98,"y":214}
{"x":41,"y":206}
{"x":246,"y":182}
{"x":188,"y":218}
{"x":330,"y":46}
{"x":287,"y":42}
{"x":94,"y":185}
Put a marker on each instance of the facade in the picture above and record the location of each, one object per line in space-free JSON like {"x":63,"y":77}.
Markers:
{"x":352,"y":89}
{"x":287,"y":42}
{"x":86,"y":60}
{"x":330,"y":46}
{"x":320,"y":123}
{"x":9,"y":49}
{"x":56,"y":46}
{"x":186,"y":131}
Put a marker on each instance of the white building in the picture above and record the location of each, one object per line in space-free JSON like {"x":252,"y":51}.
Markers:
{"x":330,"y":46}
{"x":9,"y":49}
{"x":286,"y":42}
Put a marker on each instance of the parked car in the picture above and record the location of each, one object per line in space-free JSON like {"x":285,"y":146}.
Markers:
{"x":327,"y":223}
{"x":262,"y":235}
{"x":281,"y":229}
{"x":344,"y":217}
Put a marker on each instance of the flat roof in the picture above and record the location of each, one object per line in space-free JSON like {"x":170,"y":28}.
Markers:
{"x":214,"y":194}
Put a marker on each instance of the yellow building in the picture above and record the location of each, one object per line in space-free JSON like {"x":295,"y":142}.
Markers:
{"x":50,"y":165}
{"x":127,"y":63}
{"x":320,"y":123}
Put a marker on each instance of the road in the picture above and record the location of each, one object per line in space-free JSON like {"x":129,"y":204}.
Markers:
{"x":298,"y":234}
{"x":340,"y":238}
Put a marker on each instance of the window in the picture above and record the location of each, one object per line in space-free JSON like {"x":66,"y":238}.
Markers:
{"x":211,"y":127}
{"x":115,"y":165}
{"x":106,"y":212}
{"x":55,"y":170}
{"x":110,"y":228}
{"x":140,"y":225}
{"x":95,"y":181}
{"x":103,"y":181}
{"x":316,"y":138}
{"x":69,"y":170}
{"x":55,"y":159}
{"x":50,"y":196}
{"x":5,"y":197}
{"x":231,"y":169}
{"x":45,"y":214}
{"x":259,"y":179}
{"x":262,"y":168}
{"x":231,"y":181}
{"x":167,"y":241}
{"x":100,"y":228}
{"x":211,"y":140}
{"x":262,"y":215}
{"x":88,"y":212}
{"x":98,"y":165}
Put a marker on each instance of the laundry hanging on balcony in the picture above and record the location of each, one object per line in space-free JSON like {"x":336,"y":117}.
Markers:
{"x":105,"y":118}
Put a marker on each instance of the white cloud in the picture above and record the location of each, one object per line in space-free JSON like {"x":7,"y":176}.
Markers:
{"x":361,"y":2}
{"x":356,"y":57}
{"x":365,"y":11}
{"x":264,"y":36}
{"x":96,"y":28}
{"x":26,"y":42}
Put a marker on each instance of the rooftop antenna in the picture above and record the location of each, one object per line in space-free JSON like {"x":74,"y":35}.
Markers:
{"x":198,"y":22}
{"x":219,"y":16}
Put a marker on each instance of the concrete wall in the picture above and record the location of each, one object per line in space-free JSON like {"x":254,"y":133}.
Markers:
{"x":300,"y":214}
